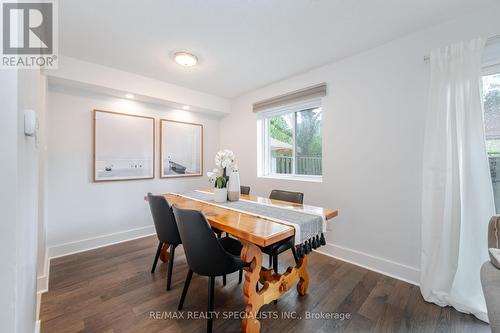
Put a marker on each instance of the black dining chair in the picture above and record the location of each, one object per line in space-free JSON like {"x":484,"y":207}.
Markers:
{"x":206,"y":254}
{"x":295,"y":197}
{"x":166,"y":230}
{"x":276,"y":249}
{"x":245,"y":190}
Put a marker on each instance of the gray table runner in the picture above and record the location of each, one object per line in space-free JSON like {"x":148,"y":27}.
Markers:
{"x":309,"y":227}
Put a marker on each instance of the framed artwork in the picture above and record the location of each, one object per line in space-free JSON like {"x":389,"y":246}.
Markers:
{"x":181,"y":149}
{"x":124,"y":146}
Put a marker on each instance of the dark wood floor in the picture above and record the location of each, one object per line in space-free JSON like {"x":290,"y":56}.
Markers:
{"x":111,"y":290}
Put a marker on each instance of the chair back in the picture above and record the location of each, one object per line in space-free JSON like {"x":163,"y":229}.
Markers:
{"x":204,"y":254}
{"x":164,"y":220}
{"x":295,"y":197}
{"x":494,"y":233}
{"x":245,"y":190}
{"x":494,"y":239}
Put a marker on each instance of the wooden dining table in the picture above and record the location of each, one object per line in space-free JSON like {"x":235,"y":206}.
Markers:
{"x":255,"y":232}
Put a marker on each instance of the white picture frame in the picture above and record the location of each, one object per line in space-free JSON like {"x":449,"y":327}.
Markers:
{"x":181,"y":149}
{"x":124,"y":146}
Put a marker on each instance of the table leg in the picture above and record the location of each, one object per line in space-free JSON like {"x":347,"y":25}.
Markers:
{"x":274,"y":285}
{"x":253,"y":298}
{"x":303,"y":276}
{"x":164,"y":254}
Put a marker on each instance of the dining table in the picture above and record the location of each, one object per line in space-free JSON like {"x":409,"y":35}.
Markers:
{"x":256,"y":232}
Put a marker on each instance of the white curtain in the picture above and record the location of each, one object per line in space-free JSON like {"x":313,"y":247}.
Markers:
{"x":457,"y":200}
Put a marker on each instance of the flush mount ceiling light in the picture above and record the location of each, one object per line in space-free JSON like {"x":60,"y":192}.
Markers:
{"x":130,"y":96}
{"x":185,"y":59}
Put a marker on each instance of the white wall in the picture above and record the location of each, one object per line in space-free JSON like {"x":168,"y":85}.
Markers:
{"x":42,"y":260}
{"x":373,"y":123}
{"x":21,"y":90}
{"x":8,"y":199}
{"x":31,"y":85}
{"x":81,"y":212}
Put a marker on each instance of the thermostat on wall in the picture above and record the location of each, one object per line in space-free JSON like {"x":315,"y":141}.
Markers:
{"x":30,"y":123}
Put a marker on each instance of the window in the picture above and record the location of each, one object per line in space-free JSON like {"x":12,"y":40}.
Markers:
{"x":291,"y":142}
{"x":491,"y":99}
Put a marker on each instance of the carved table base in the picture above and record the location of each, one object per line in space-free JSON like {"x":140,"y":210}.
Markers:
{"x":164,"y":254}
{"x":274,"y":285}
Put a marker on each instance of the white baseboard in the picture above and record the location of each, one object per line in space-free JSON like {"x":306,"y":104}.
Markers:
{"x":380,"y":265}
{"x":42,"y":283}
{"x":99,"y":241}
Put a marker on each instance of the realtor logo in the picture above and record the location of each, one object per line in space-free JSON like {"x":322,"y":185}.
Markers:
{"x":29,"y":34}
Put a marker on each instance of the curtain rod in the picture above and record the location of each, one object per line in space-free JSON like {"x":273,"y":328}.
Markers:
{"x":489,"y":41}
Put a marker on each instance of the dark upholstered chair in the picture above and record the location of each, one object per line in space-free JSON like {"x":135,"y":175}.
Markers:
{"x":295,"y":197}
{"x":245,"y":190}
{"x":166,"y":230}
{"x":274,"y":250}
{"x":206,"y":254}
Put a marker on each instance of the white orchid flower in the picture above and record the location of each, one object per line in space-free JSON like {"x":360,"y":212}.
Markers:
{"x":224,"y":158}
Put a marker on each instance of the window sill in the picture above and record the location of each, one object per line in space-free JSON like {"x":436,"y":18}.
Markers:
{"x":312,"y":179}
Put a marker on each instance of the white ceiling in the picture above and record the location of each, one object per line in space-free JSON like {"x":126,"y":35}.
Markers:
{"x":242,"y":44}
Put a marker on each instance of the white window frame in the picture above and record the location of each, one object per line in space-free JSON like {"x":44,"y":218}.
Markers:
{"x":491,"y":67}
{"x":263,"y":151}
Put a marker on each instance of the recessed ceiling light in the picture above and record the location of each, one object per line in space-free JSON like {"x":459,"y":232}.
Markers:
{"x":186,"y":107}
{"x":130,"y":96}
{"x":185,"y":59}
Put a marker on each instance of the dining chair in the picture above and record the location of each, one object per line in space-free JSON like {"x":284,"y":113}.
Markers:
{"x":245,"y":190}
{"x":274,"y":250}
{"x":166,"y":230}
{"x":206,"y":254}
{"x":295,"y":197}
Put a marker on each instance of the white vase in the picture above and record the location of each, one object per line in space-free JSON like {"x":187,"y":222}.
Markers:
{"x":233,"y":189}
{"x":220,"y":194}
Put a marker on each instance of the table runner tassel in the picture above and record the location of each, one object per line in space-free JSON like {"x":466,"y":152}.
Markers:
{"x":314,"y":243}
{"x":308,"y":246}
{"x":322,"y":239}
{"x":300,"y":251}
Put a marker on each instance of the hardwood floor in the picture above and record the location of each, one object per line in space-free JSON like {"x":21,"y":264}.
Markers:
{"x":111,"y":290}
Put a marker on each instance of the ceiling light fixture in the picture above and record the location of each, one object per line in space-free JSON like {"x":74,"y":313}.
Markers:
{"x":186,"y":107}
{"x":130,"y":96}
{"x":185,"y":59}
